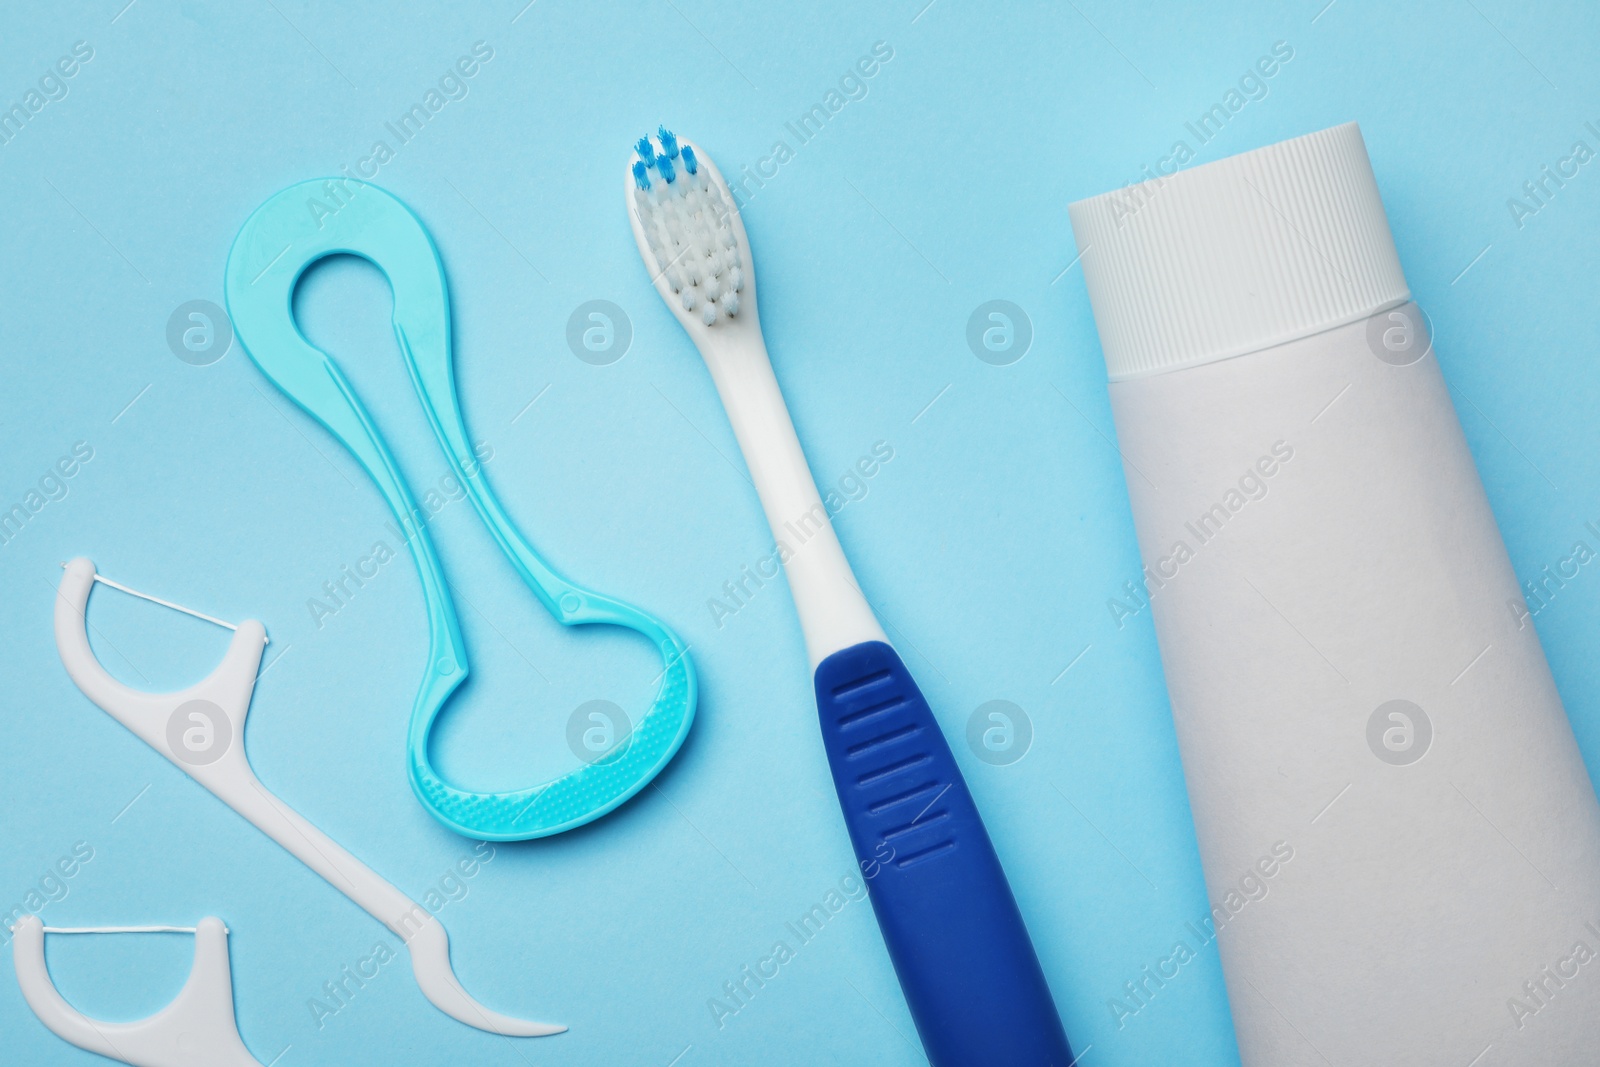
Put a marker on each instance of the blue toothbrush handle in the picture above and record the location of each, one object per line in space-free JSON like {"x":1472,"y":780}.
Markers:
{"x":959,"y":947}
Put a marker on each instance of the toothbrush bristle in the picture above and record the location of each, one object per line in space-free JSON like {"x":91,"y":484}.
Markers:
{"x":687,"y":221}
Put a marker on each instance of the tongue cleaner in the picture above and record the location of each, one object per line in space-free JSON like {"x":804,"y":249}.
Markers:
{"x":294,"y":229}
{"x":959,"y":947}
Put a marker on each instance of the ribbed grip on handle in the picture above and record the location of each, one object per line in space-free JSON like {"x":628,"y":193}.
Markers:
{"x":962,"y":954}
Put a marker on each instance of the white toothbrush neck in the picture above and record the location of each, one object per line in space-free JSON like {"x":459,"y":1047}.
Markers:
{"x":834,"y":615}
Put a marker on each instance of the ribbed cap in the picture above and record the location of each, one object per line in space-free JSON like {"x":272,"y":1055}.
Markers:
{"x":1237,"y":255}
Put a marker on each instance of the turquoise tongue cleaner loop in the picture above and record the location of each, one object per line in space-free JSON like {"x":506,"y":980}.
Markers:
{"x":315,"y":219}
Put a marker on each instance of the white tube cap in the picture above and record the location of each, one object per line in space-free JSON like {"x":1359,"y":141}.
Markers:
{"x":1237,"y":255}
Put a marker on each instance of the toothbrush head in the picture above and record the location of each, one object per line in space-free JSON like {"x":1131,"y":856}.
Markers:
{"x":690,"y":235}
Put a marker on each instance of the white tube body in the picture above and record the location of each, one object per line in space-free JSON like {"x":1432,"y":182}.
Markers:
{"x":1290,"y":607}
{"x":1400,"y":839}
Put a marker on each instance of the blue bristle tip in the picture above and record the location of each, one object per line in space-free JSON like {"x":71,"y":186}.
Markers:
{"x":646,"y":151}
{"x":669,"y":143}
{"x":641,"y":175}
{"x":664,"y":165}
{"x":689,"y":162}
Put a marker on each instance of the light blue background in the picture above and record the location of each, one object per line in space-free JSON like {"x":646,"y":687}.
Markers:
{"x":990,"y":543}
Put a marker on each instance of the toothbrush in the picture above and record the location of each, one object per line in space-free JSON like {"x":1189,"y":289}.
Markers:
{"x":959,"y":947}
